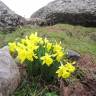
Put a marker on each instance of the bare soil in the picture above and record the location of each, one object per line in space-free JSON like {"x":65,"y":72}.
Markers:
{"x":87,"y":86}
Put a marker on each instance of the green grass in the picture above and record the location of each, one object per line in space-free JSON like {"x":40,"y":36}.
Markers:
{"x":81,"y":39}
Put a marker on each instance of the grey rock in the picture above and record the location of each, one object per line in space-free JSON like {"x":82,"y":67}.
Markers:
{"x":8,"y":18}
{"x":68,"y":11}
{"x":73,"y":55}
{"x":9,"y":73}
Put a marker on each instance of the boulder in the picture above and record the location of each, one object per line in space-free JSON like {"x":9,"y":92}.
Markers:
{"x":81,"y":12}
{"x":9,"y":73}
{"x":9,"y":19}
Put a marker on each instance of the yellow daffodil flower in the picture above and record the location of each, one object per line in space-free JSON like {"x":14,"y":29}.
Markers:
{"x":57,"y":47}
{"x":30,"y":55}
{"x":66,"y":75}
{"x":32,"y":47}
{"x":12,"y":46}
{"x":70,"y":67}
{"x":59,"y":55}
{"x":49,"y":46}
{"x":65,"y":71}
{"x":21,"y":54}
{"x":21,"y":45}
{"x":46,"y":40}
{"x":47,"y":59}
{"x":34,"y":38}
{"x":62,"y":72}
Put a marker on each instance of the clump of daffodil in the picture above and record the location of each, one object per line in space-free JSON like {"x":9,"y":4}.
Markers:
{"x":26,"y":47}
{"x":41,"y":51}
{"x":65,"y":71}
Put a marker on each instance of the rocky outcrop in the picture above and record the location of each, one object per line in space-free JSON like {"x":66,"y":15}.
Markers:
{"x":9,"y":19}
{"x":9,"y":73}
{"x":69,"y":11}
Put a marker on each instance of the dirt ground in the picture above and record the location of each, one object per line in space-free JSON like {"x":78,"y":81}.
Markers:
{"x":87,"y":86}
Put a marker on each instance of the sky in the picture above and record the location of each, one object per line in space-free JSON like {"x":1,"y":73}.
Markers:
{"x":25,"y":8}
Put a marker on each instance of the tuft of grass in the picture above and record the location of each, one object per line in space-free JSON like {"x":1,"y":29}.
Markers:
{"x":33,"y":88}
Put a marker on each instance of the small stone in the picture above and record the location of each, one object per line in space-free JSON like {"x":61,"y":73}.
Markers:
{"x":73,"y":55}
